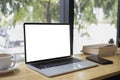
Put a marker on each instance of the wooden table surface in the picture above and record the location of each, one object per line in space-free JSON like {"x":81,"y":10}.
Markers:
{"x":95,"y":73}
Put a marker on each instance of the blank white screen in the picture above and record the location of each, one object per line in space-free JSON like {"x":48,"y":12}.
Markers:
{"x":46,"y":41}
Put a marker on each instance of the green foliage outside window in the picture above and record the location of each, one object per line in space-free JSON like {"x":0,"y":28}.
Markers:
{"x":84,"y":14}
{"x":16,"y":11}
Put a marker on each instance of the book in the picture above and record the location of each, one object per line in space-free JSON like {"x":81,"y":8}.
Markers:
{"x":100,"y":49}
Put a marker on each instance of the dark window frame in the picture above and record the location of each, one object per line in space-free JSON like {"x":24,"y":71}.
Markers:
{"x":71,"y":21}
{"x":118,"y":25}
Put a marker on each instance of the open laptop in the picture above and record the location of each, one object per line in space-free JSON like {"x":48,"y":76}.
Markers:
{"x":48,"y":49}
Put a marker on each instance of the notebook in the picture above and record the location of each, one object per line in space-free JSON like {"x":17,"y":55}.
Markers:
{"x":48,"y":49}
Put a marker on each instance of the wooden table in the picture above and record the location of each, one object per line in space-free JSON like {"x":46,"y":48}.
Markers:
{"x":95,"y":73}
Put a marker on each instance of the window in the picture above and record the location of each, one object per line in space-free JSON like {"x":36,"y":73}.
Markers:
{"x":95,"y":21}
{"x":15,"y":12}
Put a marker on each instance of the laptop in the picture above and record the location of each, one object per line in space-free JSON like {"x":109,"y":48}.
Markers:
{"x":48,"y":49}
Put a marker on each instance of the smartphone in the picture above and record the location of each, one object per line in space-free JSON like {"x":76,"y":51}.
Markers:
{"x":98,"y":59}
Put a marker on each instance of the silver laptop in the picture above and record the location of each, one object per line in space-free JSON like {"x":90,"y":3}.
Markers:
{"x":48,"y":49}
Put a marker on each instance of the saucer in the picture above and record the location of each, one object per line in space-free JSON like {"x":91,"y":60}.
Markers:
{"x":9,"y":69}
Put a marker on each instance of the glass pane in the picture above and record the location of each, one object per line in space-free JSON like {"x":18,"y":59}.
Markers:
{"x":15,"y":12}
{"x":94,"y":22}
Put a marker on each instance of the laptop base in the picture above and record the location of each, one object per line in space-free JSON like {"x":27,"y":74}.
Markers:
{"x":58,"y":70}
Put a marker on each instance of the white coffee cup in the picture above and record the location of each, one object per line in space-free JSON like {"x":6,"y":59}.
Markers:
{"x":6,"y":61}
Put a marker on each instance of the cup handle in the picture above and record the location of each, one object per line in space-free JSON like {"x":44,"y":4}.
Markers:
{"x":12,"y":64}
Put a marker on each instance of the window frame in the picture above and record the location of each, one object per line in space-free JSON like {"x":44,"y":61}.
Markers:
{"x":118,"y":25}
{"x":71,"y":22}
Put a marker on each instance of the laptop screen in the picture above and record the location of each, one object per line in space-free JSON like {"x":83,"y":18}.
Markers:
{"x":46,"y":41}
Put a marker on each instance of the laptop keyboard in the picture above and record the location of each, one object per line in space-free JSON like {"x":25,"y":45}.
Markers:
{"x":56,"y":63}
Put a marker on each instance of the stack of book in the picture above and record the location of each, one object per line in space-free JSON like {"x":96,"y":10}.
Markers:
{"x":100,"y":49}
